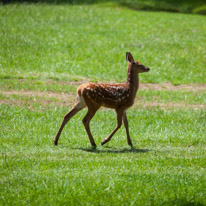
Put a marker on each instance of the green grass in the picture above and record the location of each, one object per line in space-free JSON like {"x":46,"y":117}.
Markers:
{"x":166,"y":167}
{"x":91,"y":41}
{"x":51,"y":49}
{"x":186,"y":6}
{"x":35,"y":92}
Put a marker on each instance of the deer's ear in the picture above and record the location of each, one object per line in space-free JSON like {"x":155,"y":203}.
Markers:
{"x":129,"y":57}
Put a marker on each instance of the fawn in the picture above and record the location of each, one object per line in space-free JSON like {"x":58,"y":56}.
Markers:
{"x":117,"y":96}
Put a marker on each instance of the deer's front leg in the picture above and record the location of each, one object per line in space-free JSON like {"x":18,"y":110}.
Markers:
{"x":119,"y":124}
{"x":129,"y":141}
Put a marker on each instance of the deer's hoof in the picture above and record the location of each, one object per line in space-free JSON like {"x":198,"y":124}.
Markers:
{"x":94,"y":146}
{"x":131,"y":145}
{"x":103,"y":142}
{"x":55,"y":143}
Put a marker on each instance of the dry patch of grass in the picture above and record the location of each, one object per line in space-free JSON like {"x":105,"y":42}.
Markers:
{"x":64,"y":97}
{"x":171,"y":87}
{"x":30,"y":99}
{"x":169,"y":105}
{"x":52,"y":98}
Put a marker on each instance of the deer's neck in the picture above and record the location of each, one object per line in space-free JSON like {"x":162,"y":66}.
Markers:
{"x":133,"y":80}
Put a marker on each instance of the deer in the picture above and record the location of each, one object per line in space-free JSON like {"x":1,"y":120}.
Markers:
{"x":119,"y":96}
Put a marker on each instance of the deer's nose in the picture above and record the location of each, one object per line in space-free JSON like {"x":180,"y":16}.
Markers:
{"x":147,"y":68}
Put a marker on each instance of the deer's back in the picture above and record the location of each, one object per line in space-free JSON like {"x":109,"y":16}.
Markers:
{"x":108,"y":95}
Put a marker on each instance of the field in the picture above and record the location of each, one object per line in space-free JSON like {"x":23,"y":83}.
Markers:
{"x":46,"y":51}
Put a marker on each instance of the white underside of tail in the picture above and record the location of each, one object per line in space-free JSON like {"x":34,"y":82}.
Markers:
{"x":80,"y":102}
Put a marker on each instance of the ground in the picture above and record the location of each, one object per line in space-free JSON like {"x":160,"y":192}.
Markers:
{"x":46,"y":52}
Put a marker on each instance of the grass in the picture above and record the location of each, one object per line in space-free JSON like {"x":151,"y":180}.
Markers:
{"x":166,"y":166}
{"x":185,"y":6}
{"x":91,"y":42}
{"x":46,"y":51}
{"x":16,"y":88}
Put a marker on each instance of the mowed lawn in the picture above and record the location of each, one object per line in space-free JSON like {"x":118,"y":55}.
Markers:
{"x":46,"y":51}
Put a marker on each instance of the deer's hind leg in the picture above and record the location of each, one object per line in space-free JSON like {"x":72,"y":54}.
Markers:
{"x":79,"y":105}
{"x":92,"y":109}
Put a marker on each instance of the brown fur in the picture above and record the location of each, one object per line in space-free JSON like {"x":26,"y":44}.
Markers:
{"x":117,"y":96}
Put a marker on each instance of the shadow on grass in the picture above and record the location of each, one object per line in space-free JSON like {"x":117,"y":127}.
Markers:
{"x":114,"y":150}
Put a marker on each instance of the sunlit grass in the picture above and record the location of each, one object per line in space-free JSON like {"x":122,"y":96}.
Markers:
{"x":91,"y":41}
{"x":48,"y":49}
{"x":167,"y":164}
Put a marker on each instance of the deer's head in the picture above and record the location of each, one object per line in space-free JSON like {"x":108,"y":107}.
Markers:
{"x":135,"y":65}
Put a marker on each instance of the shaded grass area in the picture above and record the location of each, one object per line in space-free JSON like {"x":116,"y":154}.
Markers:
{"x":91,"y":42}
{"x":167,"y":165}
{"x":186,"y":6}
